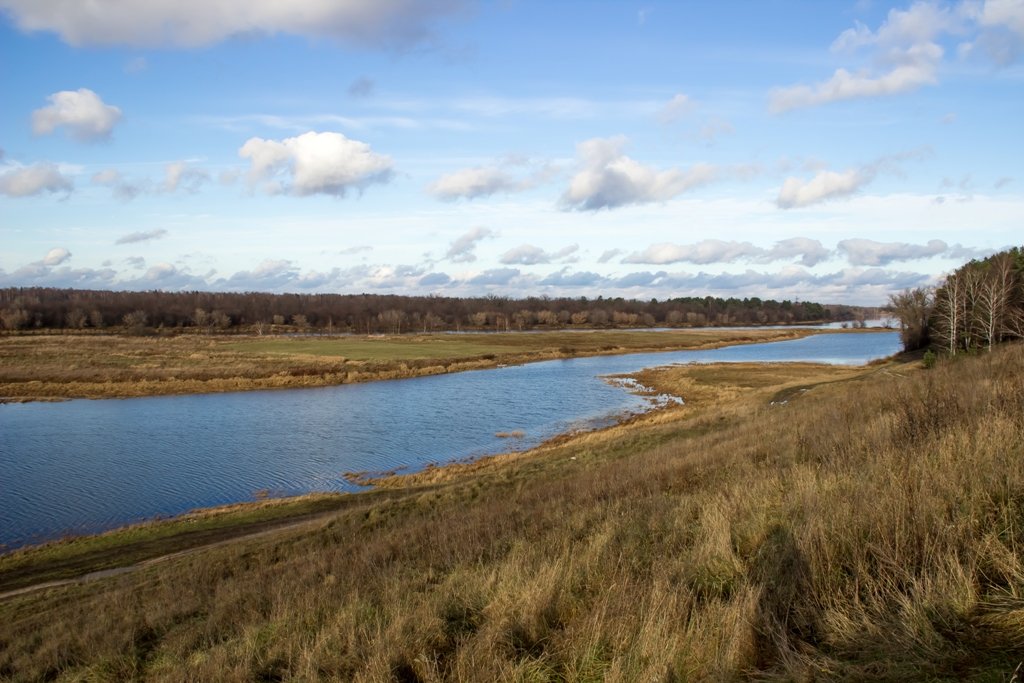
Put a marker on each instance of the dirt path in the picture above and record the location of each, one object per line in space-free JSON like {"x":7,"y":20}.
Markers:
{"x":224,"y":538}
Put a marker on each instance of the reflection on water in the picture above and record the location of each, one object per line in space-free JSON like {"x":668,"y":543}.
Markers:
{"x":84,"y":466}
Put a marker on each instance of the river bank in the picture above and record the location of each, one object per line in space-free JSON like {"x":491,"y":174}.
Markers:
{"x":714,"y":388}
{"x":54,"y":367}
{"x":786,"y":523}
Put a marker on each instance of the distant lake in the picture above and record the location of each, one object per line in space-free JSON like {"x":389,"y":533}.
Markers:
{"x":86,"y":466}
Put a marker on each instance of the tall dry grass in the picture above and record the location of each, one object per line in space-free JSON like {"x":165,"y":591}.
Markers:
{"x":867,"y":530}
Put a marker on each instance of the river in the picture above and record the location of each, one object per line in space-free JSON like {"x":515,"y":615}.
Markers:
{"x":86,"y":466}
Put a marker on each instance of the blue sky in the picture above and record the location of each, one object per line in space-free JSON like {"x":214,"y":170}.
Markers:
{"x":816,"y":150}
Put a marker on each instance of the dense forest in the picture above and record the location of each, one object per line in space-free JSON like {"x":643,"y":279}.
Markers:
{"x":46,"y":308}
{"x":977,"y":306}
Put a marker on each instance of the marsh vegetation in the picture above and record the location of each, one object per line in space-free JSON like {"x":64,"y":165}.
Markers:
{"x":788,"y":522}
{"x":117,"y":366}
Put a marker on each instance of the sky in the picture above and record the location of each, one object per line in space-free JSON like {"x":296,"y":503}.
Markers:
{"x":787,"y":149}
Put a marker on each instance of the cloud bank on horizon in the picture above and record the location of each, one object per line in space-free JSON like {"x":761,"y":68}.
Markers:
{"x":829,"y":152}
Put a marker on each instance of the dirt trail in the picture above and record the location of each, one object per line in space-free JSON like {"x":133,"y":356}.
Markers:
{"x":262,"y":529}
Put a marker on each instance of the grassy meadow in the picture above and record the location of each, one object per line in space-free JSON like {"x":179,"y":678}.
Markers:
{"x":789,"y":522}
{"x":54,"y":366}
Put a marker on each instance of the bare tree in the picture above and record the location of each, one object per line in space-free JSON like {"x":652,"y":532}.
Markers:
{"x":995,"y":297}
{"x":14,"y":318}
{"x":135,"y":321}
{"x":220,"y":320}
{"x":950,"y":312}
{"x":75,"y":319}
{"x":201,"y":319}
{"x":913,"y":308}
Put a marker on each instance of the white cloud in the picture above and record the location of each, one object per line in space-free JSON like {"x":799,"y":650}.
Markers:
{"x":85,"y":116}
{"x":811,"y":252}
{"x":706,"y":251}
{"x":469,"y":183}
{"x":462,"y":249}
{"x":56,"y":256}
{"x":494,"y":277}
{"x":609,"y":179}
{"x":906,"y":57}
{"x":1001,"y":34}
{"x":314,"y":163}
{"x":121,"y":188}
{"x":846,"y":86}
{"x":141,"y":236}
{"x":484,"y":181}
{"x":608,"y":255}
{"x":192,"y":23}
{"x":864,"y":252}
{"x":25,"y":181}
{"x":825,"y":185}
{"x":675,"y":109}
{"x":530,"y":255}
{"x":179,"y":175}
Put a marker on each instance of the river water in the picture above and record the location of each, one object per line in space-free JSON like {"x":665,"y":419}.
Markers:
{"x":85,"y":466}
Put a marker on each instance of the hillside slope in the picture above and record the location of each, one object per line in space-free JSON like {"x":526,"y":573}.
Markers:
{"x":789,"y":522}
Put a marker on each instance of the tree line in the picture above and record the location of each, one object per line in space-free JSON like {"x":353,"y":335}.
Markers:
{"x":977,"y":306}
{"x":50,"y":308}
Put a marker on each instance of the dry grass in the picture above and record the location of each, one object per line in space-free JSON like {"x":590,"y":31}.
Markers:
{"x":866,"y":529}
{"x":41,"y":367}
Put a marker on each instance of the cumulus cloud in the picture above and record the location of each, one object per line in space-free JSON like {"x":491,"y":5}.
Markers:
{"x":825,"y":185}
{"x":462,"y":249}
{"x":56,"y":256}
{"x":906,"y":57}
{"x":708,"y":251}
{"x":141,"y":236}
{"x":269,"y":274}
{"x":81,"y":112}
{"x":1001,"y":34}
{"x":469,"y":183}
{"x":811,"y":252}
{"x":434,"y":280}
{"x":25,"y":181}
{"x":608,"y":255}
{"x":122,"y":189}
{"x":864,"y":252}
{"x":494,"y":277}
{"x":193,"y":23}
{"x":179,"y":175}
{"x":314,"y":163}
{"x":484,"y":181}
{"x":529,"y":255}
{"x":566,"y":278}
{"x":609,"y":179}
{"x":674,"y":109}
